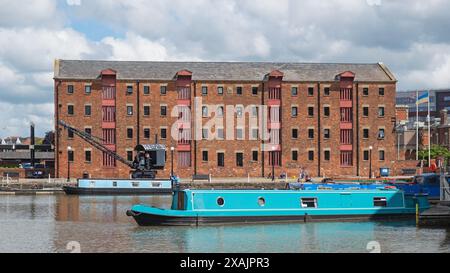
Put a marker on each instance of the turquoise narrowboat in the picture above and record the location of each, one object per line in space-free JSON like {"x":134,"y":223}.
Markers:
{"x":196,"y":207}
{"x":121,"y":186}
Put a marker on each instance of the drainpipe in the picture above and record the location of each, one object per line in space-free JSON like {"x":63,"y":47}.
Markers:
{"x":262,"y":131}
{"x":319,"y":154}
{"x":357,"y":129}
{"x":57,"y":134}
{"x":138,"y":111}
{"x":193,"y":118}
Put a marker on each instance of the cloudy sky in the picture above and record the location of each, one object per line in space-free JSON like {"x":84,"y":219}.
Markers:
{"x":410,"y":36}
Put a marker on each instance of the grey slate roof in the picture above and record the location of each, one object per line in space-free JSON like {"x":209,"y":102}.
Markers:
{"x":220,"y":71}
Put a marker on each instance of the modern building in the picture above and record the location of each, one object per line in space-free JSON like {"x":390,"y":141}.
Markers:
{"x":439,"y":100}
{"x":227,"y":118}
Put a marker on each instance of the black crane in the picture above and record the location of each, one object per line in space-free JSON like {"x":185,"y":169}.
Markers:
{"x":149,"y":157}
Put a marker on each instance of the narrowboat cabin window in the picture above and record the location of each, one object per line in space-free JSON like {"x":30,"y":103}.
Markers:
{"x":379,"y":202}
{"x":156,"y":184}
{"x":135,"y":184}
{"x":114,"y":183}
{"x":92,"y":183}
{"x":309,"y":202}
{"x":220,"y":201}
{"x":261,"y":201}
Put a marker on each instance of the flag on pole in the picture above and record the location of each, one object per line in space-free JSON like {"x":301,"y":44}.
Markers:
{"x":425,"y":97}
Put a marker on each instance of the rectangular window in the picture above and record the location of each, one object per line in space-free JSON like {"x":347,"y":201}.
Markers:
{"x":346,"y":114}
{"x":129,"y":132}
{"x":310,"y":133}
{"x":220,"y":159}
{"x":70,"y":110}
{"x":381,"y":111}
{"x":205,"y":156}
{"x":220,"y":133}
{"x":310,"y":111}
{"x":326,"y":133}
{"x":255,"y":111}
{"x":135,"y":184}
{"x":381,"y":133}
{"x":239,"y":134}
{"x":365,"y":111}
{"x":381,"y":155}
{"x":294,"y":155}
{"x":309,"y":202}
{"x":294,"y":111}
{"x":205,"y":111}
{"x":130,"y":155}
{"x":346,"y":158}
{"x":239,"y":159}
{"x":163,"y":89}
{"x":239,"y":90}
{"x":129,"y":90}
{"x":204,"y":133}
{"x":294,"y":133}
{"x":310,"y":91}
{"x":88,"y":131}
{"x":310,"y":155}
{"x":275,"y":158}
{"x":108,"y":161}
{"x":87,"y":156}
{"x":239,"y":111}
{"x":163,"y":111}
{"x":219,"y":111}
{"x":146,"y":133}
{"x":146,"y":110}
{"x":70,"y":156}
{"x":381,"y":91}
{"x":326,"y":91}
{"x":254,"y":90}
{"x":366,"y":155}
{"x":326,"y":155}
{"x":255,"y":156}
{"x":87,"y":89}
{"x":220,"y":90}
{"x":184,"y":159}
{"x":146,"y":90}
{"x":365,"y":91}
{"x":294,"y":91}
{"x":163,"y":133}
{"x":255,"y":134}
{"x":346,"y":136}
{"x":129,"y":110}
{"x":366,"y":133}
{"x":87,"y":110}
{"x":70,"y":89}
{"x":69,"y":134}
{"x":379,"y":202}
{"x":109,"y":136}
{"x":326,"y":111}
{"x":204,"y":90}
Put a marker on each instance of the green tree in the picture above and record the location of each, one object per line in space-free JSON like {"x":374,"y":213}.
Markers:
{"x":435,"y":151}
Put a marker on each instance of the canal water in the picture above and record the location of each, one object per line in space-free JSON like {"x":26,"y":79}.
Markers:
{"x":60,"y":223}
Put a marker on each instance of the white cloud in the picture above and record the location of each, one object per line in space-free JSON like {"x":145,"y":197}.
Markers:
{"x":411,"y":37}
{"x":73,"y":2}
{"x":29,"y":13}
{"x":135,"y":47}
{"x":16,"y":118}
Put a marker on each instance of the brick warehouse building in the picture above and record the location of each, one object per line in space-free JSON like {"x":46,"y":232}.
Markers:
{"x":323,"y":117}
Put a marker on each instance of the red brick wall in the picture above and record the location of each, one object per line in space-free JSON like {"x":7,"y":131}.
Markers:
{"x":302,"y":122}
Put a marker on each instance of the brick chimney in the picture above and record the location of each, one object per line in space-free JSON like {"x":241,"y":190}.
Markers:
{"x":444,"y":117}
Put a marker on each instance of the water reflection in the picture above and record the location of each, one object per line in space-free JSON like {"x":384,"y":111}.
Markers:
{"x":99,"y":224}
